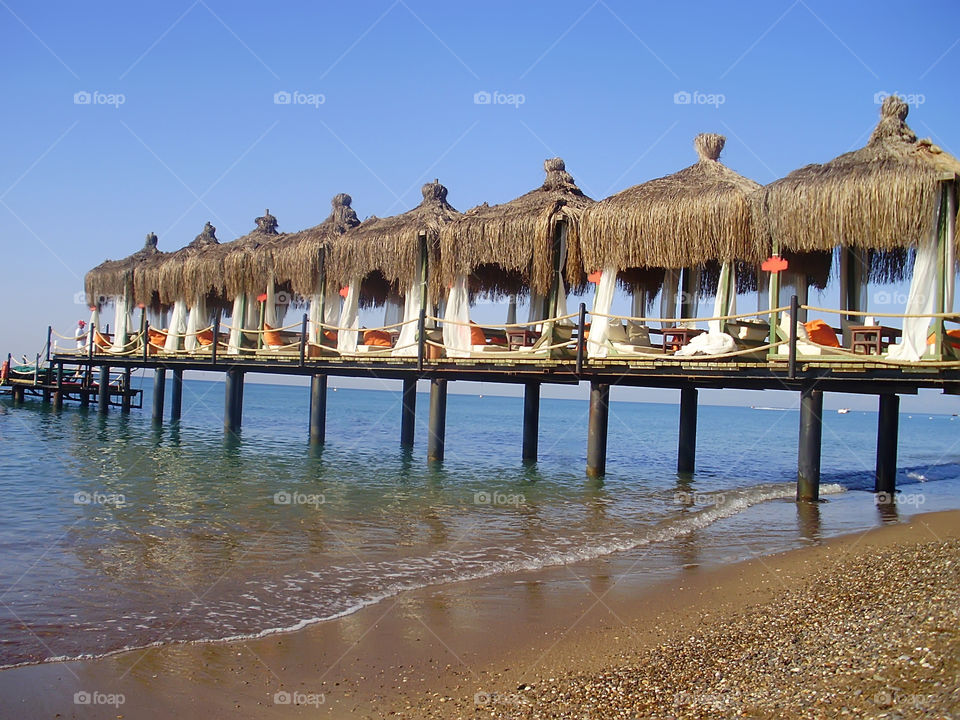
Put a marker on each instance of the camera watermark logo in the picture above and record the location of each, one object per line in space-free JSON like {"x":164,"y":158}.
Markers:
{"x":83,"y":97}
{"x":94,"y":697}
{"x":486,"y":699}
{"x":499,"y":499}
{"x":914,"y":99}
{"x":685,"y":97}
{"x":689,"y":498}
{"x":284,"y":497}
{"x":899,"y":498}
{"x":484,"y":97}
{"x":897,"y":299}
{"x":282,"y":697}
{"x":82,"y":497}
{"x":284,"y":97}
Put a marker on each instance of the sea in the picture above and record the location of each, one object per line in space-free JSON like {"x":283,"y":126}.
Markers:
{"x":118,"y":533}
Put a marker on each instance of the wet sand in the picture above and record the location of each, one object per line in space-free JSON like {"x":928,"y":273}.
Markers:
{"x":841,"y":616}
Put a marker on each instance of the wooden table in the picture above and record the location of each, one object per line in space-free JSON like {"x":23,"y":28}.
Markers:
{"x":676,"y":337}
{"x":872,"y":339}
{"x":520,"y":337}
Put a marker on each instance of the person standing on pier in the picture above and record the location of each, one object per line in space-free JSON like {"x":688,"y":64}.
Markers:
{"x":81,"y":335}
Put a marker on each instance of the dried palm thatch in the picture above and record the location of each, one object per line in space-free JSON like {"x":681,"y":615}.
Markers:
{"x":161,"y":276}
{"x":391,"y":245}
{"x":518,"y":236}
{"x":114,"y":278}
{"x":296,"y":257}
{"x":229,"y":269}
{"x":687,"y":219}
{"x":882,"y":197}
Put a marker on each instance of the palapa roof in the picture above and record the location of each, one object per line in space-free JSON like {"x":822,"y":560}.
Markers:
{"x":236,"y":267}
{"x":686,"y":219}
{"x":514,"y":241}
{"x":390,"y":245}
{"x":296,"y":257}
{"x":161,"y":278}
{"x":114,"y":278}
{"x":882,"y":197}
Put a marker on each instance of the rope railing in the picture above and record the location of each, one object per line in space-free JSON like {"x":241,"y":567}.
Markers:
{"x":865,"y":313}
{"x":505,"y":326}
{"x":737,"y":316}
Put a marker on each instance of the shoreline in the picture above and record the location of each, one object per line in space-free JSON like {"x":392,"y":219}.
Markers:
{"x":426,"y":652}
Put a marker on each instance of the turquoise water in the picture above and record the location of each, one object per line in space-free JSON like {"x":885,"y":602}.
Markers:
{"x":116,"y":533}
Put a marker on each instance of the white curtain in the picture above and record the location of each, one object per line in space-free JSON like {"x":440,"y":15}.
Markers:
{"x":349,"y":320}
{"x":407,"y":341}
{"x":602,"y":303}
{"x":271,"y":312}
{"x":198,"y":319}
{"x":638,"y":304}
{"x":920,"y":301}
{"x":456,"y":338}
{"x":236,"y":324}
{"x":668,"y":296}
{"x":121,"y":321}
{"x":726,"y":300}
{"x":394,"y":308}
{"x":690,"y":300}
{"x":950,"y":254}
{"x":94,"y":326}
{"x":177,"y":326}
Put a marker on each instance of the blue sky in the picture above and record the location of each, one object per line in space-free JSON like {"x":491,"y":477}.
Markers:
{"x":198,"y":135}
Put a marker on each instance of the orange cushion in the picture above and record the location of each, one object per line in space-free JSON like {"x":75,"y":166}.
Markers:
{"x":101,"y":341}
{"x":953,"y":337}
{"x":476,"y":335}
{"x":271,"y":336}
{"x":330,"y":335}
{"x":821,"y":333}
{"x":379,"y":338}
{"x":205,"y":337}
{"x":157,"y":337}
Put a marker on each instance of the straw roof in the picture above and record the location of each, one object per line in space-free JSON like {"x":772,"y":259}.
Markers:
{"x":518,"y":236}
{"x":160,"y":279}
{"x":391,"y":245}
{"x":882,"y":197}
{"x":236,"y":267}
{"x":114,"y":278}
{"x":699,"y":214}
{"x":296,"y":257}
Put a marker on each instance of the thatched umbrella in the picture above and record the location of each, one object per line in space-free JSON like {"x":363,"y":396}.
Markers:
{"x":115,"y":278}
{"x":390,"y":247}
{"x":510,"y":248}
{"x":881,"y":198}
{"x":296,"y":257}
{"x":166,"y":276}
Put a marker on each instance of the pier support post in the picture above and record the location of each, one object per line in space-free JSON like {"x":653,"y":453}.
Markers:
{"x":159,"y":388}
{"x":85,"y":387}
{"x":125,"y":400}
{"x":318,"y":409}
{"x":687,"y":445}
{"x":811,"y":432}
{"x":438,"y":419}
{"x":103,"y":390}
{"x":888,"y":426}
{"x":233,"y":400}
{"x":176,"y":394}
{"x":17,"y":394}
{"x":58,"y":393}
{"x":408,"y":414}
{"x":531,"y":420}
{"x":597,"y":430}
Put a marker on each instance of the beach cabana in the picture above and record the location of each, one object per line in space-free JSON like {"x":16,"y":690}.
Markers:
{"x":896,"y":195}
{"x":673,"y":226}
{"x":527,"y":245}
{"x":298,"y":261}
{"x":114,"y":279}
{"x":399,"y":255}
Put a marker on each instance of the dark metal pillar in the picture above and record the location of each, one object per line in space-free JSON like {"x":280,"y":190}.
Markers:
{"x":687,"y":445}
{"x":438,"y":419}
{"x":103,"y":390}
{"x":888,"y":426}
{"x":597,"y":430}
{"x":318,"y":409}
{"x":408,"y":414}
{"x":58,"y":394}
{"x":125,"y":400}
{"x":176,"y":394}
{"x":233,"y":399}
{"x":811,"y":432}
{"x":159,"y":388}
{"x":531,"y":420}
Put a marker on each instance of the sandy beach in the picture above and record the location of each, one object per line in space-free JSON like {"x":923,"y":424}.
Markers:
{"x":860,"y":625}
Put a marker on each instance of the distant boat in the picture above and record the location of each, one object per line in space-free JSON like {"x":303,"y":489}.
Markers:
{"x":843,"y":411}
